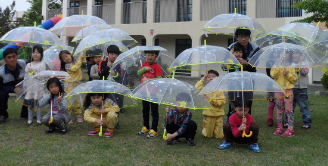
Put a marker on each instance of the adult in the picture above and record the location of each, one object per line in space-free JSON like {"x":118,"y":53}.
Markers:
{"x":243,"y":36}
{"x":11,"y":73}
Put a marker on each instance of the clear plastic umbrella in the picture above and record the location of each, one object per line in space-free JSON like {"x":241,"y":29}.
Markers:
{"x":285,"y":55}
{"x":84,"y":32}
{"x":30,"y":36}
{"x":228,"y":23}
{"x":165,"y":90}
{"x":131,"y":60}
{"x":77,"y":95}
{"x":105,"y":37}
{"x":320,"y":45}
{"x":69,"y":26}
{"x":35,"y":87}
{"x":51,"y":57}
{"x":203,"y":56}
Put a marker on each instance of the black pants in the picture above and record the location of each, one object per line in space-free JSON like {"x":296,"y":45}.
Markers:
{"x":228,"y":136}
{"x":4,"y":106}
{"x":232,"y":98}
{"x":188,"y":134}
{"x":154,"y":113}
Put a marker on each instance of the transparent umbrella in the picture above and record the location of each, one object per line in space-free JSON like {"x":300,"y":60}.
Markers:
{"x":51,"y":57}
{"x":84,"y":32}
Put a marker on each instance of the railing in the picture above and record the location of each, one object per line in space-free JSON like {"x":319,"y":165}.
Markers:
{"x":276,"y":9}
{"x":105,"y":12}
{"x":134,"y":12}
{"x":172,"y":10}
{"x":82,"y":10}
{"x":53,"y":13}
{"x":212,"y":8}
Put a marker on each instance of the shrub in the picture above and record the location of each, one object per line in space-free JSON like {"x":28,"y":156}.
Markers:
{"x":324,"y":81}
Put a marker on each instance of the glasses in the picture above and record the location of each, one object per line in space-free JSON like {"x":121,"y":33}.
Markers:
{"x":243,"y":36}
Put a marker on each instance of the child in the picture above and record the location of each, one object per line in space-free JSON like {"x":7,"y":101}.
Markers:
{"x":94,"y":69}
{"x":106,"y":66}
{"x":238,"y":51}
{"x":239,"y":122}
{"x":74,"y":70}
{"x":213,"y":118}
{"x":90,"y":62}
{"x":179,"y":123}
{"x":35,"y":93}
{"x":300,"y":90}
{"x":148,"y":70}
{"x":286,"y":78}
{"x":58,"y":103}
{"x":96,"y":105}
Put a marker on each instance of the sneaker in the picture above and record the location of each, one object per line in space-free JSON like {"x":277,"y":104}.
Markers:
{"x":71,"y":121}
{"x":2,"y":119}
{"x":28,"y":123}
{"x":63,"y":131}
{"x":285,"y":125}
{"x":288,"y":133}
{"x":95,"y":131}
{"x":225,"y":145}
{"x":306,"y":126}
{"x":191,"y":142}
{"x":109,"y":133}
{"x":79,"y":119}
{"x":173,"y":141}
{"x":38,"y":124}
{"x":50,"y":130}
{"x":144,"y":130}
{"x":117,"y":126}
{"x":152,"y":134}
{"x":278,"y":131}
{"x":270,"y":122}
{"x":122,"y":110}
{"x":255,"y":147}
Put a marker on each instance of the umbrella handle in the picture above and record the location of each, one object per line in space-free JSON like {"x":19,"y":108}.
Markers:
{"x":100,"y":132}
{"x":51,"y":117}
{"x":245,"y":135}
{"x":165,"y":132}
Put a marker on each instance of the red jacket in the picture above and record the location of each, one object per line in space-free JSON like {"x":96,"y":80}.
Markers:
{"x":235,"y":123}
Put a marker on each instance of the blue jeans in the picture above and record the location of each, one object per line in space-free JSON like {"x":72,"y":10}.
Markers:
{"x":301,"y":97}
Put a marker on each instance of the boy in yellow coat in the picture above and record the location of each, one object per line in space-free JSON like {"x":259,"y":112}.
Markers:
{"x":213,"y":118}
{"x":96,"y":105}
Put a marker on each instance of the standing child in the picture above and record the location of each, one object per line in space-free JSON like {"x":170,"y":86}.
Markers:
{"x":179,"y":123}
{"x":94,"y":69}
{"x":59,"y":109}
{"x":213,"y":118}
{"x":74,"y":70}
{"x":96,"y":105}
{"x":35,"y":93}
{"x":149,"y":70}
{"x":286,"y":78}
{"x":239,"y":122}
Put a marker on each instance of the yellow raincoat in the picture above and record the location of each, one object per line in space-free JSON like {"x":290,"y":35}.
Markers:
{"x":213,"y":118}
{"x":110,"y":116}
{"x":286,"y":82}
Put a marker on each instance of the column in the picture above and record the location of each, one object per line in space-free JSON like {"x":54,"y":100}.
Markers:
{"x":45,"y":4}
{"x":90,"y":4}
{"x":251,"y":9}
{"x":65,"y":8}
{"x":118,"y":12}
{"x":195,"y":39}
{"x":150,"y":11}
{"x":196,"y":10}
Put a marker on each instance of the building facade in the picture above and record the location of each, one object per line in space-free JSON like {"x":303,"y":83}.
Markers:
{"x":176,"y":24}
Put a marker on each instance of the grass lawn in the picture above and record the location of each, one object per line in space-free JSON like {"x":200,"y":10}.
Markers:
{"x":22,"y":145}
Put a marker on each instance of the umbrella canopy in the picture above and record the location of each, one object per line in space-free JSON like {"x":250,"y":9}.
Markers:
{"x":30,"y":36}
{"x":69,"y":26}
{"x":131,"y":60}
{"x":320,"y":45}
{"x":51,"y":57}
{"x":105,"y":37}
{"x":84,"y":32}
{"x":77,"y":95}
{"x":165,"y":90}
{"x":228,"y":23}
{"x":285,"y":55}
{"x":203,"y":56}
{"x":257,"y":83}
{"x":33,"y":88}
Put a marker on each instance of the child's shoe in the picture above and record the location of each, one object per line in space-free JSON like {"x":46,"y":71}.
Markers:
{"x":144,"y":130}
{"x":109,"y":133}
{"x":255,"y":148}
{"x":225,"y":145}
{"x":173,"y":141}
{"x":278,"y":131}
{"x":270,"y":122}
{"x":50,"y":130}
{"x":285,"y":125}
{"x":152,"y":134}
{"x":288,"y":133}
{"x":28,"y":123}
{"x":191,"y":142}
{"x":306,"y":126}
{"x":38,"y":123}
{"x":79,"y":119}
{"x":95,"y":131}
{"x":71,"y":121}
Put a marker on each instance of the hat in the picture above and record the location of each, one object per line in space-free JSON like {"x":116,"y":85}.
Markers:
{"x":113,"y":49}
{"x":89,"y":53}
{"x":242,"y":31}
{"x":97,"y":52}
{"x":156,"y":52}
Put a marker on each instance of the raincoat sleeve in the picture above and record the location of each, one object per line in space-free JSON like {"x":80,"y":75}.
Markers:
{"x":45,"y":100}
{"x":77,"y":66}
{"x":199,"y":84}
{"x":291,"y":76}
{"x":110,"y":105}
{"x":274,"y":73}
{"x":88,"y":114}
{"x":217,"y":99}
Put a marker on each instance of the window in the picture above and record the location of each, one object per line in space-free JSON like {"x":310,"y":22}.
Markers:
{"x":143,"y":42}
{"x":98,"y":2}
{"x":184,"y":10}
{"x":75,"y":4}
{"x":98,"y":8}
{"x":156,"y":42}
{"x":239,"y":5}
{"x":285,"y":8}
{"x":181,"y":45}
{"x":74,"y":8}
